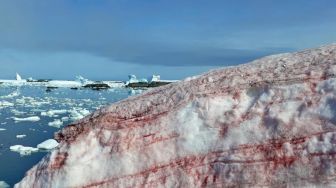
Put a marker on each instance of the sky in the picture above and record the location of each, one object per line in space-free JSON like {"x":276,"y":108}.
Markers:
{"x":109,"y":39}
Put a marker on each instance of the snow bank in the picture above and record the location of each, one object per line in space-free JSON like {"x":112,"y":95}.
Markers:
{"x":48,"y":144}
{"x":270,"y":123}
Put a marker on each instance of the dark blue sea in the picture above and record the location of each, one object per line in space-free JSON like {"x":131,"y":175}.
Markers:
{"x":61,"y":106}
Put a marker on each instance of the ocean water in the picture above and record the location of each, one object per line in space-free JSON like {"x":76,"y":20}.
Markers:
{"x":28,"y":101}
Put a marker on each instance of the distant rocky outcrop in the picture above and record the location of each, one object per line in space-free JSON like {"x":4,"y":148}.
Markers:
{"x":269,"y":123}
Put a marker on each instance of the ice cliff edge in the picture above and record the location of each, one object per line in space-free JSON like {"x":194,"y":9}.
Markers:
{"x":271,"y":122}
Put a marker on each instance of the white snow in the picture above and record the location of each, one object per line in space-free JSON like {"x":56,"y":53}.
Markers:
{"x":23,"y":150}
{"x":56,"y":123}
{"x":21,"y":136}
{"x":48,"y":144}
{"x":32,"y":119}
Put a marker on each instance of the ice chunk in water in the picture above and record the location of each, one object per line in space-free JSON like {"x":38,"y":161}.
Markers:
{"x":23,"y":150}
{"x":48,"y":144}
{"x":21,"y":136}
{"x":56,"y":123}
{"x":32,"y":118}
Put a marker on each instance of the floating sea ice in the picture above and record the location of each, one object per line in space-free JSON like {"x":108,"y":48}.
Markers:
{"x":56,"y":123}
{"x":2,"y":129}
{"x":17,"y":112}
{"x":65,"y":119}
{"x":23,"y":150}
{"x":32,"y":118}
{"x":48,"y":144}
{"x":3,"y":184}
{"x":4,"y":104}
{"x":77,"y":114}
{"x":21,"y":136}
{"x":11,"y":95}
{"x":53,"y":113}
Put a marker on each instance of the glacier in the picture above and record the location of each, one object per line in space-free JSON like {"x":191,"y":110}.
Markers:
{"x":268,"y":123}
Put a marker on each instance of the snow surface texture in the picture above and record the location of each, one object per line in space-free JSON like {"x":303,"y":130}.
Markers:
{"x":269,"y":123}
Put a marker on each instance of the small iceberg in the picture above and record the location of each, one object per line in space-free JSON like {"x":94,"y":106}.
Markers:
{"x":53,"y":113}
{"x":48,"y":144}
{"x":21,"y":136}
{"x":2,"y":129}
{"x":155,"y":78}
{"x":76,"y":114}
{"x":56,"y":123}
{"x":32,"y":119}
{"x":23,"y":150}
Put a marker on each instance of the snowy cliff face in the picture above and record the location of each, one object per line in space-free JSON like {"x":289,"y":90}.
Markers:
{"x":271,"y":122}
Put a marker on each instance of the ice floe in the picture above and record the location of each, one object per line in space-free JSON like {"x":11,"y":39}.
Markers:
{"x":2,"y":129}
{"x":76,"y":114}
{"x":4,"y":104}
{"x":48,"y":144}
{"x":56,"y":123}
{"x":11,"y":95}
{"x":21,"y":136}
{"x":32,"y":119}
{"x":53,"y":113}
{"x":23,"y":150}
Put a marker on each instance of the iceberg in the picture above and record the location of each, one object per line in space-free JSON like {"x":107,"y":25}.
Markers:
{"x":48,"y":144}
{"x":2,"y":129}
{"x":18,"y":77}
{"x":268,"y":123}
{"x":155,"y":78}
{"x":132,"y":79}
